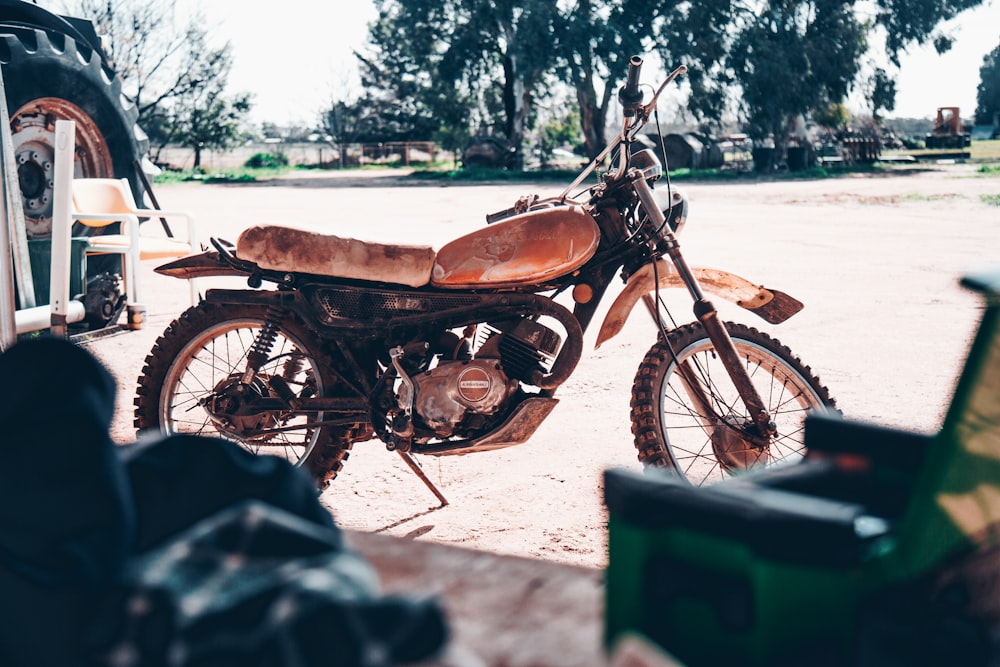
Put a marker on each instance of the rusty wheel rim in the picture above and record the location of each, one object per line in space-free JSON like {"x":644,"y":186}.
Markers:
{"x":33,"y":134}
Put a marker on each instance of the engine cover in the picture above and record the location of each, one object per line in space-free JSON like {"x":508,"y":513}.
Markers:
{"x":445,"y":394}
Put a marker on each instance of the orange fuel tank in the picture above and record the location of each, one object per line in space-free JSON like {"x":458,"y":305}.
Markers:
{"x":527,"y":248}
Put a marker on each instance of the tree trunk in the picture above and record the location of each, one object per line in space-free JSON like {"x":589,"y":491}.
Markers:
{"x":516,"y":101}
{"x":592,"y":116}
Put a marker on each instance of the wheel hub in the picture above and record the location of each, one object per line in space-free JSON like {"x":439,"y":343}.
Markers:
{"x":735,"y":447}
{"x":230,"y":396}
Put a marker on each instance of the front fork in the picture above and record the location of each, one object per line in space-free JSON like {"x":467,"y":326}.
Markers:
{"x":707,"y":315}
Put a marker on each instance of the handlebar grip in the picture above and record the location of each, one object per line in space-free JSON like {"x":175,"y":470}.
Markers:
{"x":629,"y":95}
{"x":500,"y":215}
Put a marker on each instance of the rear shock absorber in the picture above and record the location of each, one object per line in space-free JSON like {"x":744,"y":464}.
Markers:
{"x":279,"y":383}
{"x":261,"y":350}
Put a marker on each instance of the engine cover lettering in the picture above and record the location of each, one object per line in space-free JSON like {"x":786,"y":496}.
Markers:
{"x":474,"y":384}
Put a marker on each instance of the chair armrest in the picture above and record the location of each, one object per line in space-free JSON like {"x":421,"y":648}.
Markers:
{"x":161,"y":213}
{"x":103,"y":219}
{"x":780,"y":525}
{"x":881,"y":446}
{"x":882,"y":492}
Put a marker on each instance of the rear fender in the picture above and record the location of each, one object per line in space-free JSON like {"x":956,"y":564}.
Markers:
{"x":202,"y":265}
{"x":771,"y":305}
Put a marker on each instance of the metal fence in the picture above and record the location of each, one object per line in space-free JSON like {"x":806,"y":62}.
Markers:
{"x":318,"y":154}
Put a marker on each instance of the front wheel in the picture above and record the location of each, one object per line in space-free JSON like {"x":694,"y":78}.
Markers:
{"x":193,"y":382}
{"x":688,"y":416}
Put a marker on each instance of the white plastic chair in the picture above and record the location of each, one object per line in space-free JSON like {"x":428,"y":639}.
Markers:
{"x":98,"y":202}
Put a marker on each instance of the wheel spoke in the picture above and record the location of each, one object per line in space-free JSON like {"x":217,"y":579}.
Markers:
{"x":707,"y":448}
{"x":209,"y":373}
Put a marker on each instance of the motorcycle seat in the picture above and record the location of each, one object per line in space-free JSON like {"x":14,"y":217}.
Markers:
{"x":300,"y":250}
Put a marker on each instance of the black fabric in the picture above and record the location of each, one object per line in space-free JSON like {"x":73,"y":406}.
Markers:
{"x":254,"y":586}
{"x":181,"y":479}
{"x":66,"y":519}
{"x":186,"y":551}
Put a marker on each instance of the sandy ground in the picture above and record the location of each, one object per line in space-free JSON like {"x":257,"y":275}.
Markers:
{"x":875,"y":259}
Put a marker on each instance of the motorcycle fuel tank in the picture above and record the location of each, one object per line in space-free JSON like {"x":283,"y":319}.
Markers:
{"x":527,"y":248}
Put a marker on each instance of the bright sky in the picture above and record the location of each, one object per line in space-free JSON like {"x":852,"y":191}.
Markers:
{"x":297,"y":62}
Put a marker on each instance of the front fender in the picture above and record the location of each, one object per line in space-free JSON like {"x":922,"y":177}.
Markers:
{"x":771,"y":305}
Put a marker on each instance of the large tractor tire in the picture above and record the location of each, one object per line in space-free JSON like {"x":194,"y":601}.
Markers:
{"x":50,"y":76}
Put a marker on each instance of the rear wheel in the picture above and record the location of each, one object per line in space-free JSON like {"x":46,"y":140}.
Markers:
{"x":688,"y":416}
{"x":193,"y":383}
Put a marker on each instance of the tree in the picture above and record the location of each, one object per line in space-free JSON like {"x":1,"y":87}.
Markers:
{"x":342,"y":124}
{"x":473,"y":62}
{"x":596,"y":38}
{"x":881,"y":93}
{"x":150,"y":49}
{"x":480,"y":63}
{"x":792,"y":57}
{"x":988,"y":92}
{"x":168,"y":68}
{"x":204,"y":117}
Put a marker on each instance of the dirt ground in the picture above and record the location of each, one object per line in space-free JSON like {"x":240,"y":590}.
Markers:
{"x":876,"y":260}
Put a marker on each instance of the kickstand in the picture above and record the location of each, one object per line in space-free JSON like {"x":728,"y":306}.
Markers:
{"x":423,"y":477}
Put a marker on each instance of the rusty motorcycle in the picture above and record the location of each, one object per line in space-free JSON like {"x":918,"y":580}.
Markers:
{"x":462,"y":349}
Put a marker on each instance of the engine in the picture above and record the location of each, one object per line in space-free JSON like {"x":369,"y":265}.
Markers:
{"x":463,"y":394}
{"x":455,"y":389}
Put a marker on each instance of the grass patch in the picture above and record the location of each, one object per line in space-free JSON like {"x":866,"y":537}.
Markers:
{"x":979,"y":151}
{"x":709,"y":175}
{"x":985,"y":150}
{"x":237,"y":175}
{"x":247,"y":174}
{"x":491,"y":175}
{"x":990,"y":200}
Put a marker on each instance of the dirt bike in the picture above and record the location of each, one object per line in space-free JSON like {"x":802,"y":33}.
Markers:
{"x":462,"y":349}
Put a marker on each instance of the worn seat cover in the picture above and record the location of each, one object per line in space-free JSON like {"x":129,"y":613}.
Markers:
{"x":285,"y":248}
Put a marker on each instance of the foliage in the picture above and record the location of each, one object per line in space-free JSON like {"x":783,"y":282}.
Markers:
{"x":243,"y":174}
{"x":471,"y":64}
{"x":907,"y":22}
{"x":700,"y":35}
{"x":820,"y":42}
{"x":834,"y":116}
{"x":881,"y":92}
{"x":594,"y":40}
{"x":174,"y":78}
{"x":988,"y":92}
{"x":204,"y":117}
{"x":991,"y":200}
{"x":267,"y":160}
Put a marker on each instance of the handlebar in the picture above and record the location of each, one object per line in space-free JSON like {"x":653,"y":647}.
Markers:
{"x":635,"y":115}
{"x":629,"y":95}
